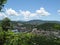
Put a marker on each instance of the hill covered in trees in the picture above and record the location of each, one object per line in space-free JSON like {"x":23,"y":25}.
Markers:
{"x":7,"y":37}
{"x":39,"y":24}
{"x":49,"y":26}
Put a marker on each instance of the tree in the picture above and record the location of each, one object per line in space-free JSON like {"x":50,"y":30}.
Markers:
{"x":6,"y":24}
{"x":2,"y":2}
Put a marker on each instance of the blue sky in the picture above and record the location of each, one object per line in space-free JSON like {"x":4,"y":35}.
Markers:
{"x":32,"y":9}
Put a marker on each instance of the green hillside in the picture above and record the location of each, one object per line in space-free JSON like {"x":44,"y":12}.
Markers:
{"x":49,"y":26}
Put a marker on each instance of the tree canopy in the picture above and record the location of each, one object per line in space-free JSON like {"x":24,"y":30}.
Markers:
{"x":6,"y":24}
{"x":2,"y":2}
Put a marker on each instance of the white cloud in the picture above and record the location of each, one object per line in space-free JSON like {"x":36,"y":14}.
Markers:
{"x":10,"y":11}
{"x":33,"y":14}
{"x":38,"y":13}
{"x":26,"y":14}
{"x":42,"y":12}
{"x":3,"y":14}
{"x":58,"y":11}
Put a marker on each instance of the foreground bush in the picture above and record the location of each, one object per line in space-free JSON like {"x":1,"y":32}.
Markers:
{"x":12,"y":38}
{"x":29,"y":39}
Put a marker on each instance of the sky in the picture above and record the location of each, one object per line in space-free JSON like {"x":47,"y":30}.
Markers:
{"x":25,"y":10}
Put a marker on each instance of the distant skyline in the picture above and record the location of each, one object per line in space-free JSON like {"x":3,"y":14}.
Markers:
{"x":25,"y":10}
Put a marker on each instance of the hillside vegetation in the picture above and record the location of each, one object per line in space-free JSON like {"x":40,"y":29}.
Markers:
{"x":49,"y":26}
{"x":7,"y":37}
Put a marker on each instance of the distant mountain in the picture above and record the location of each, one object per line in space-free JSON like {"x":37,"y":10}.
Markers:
{"x":34,"y":22}
{"x":37,"y":22}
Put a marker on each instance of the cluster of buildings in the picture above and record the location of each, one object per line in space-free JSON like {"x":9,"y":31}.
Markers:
{"x":35,"y":31}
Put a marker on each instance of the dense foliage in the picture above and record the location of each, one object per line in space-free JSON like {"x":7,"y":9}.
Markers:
{"x":6,"y":24}
{"x":49,"y":26}
{"x":27,"y":39}
{"x":2,"y":2}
